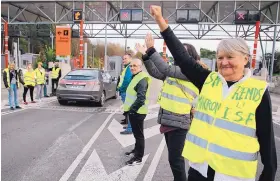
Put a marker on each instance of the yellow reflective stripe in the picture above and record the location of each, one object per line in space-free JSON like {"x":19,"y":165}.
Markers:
{"x":221,"y":150}
{"x":175,"y":98}
{"x":181,"y":86}
{"x":237,"y":128}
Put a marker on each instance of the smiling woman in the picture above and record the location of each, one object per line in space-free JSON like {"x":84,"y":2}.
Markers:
{"x":232,"y":123}
{"x":232,"y":56}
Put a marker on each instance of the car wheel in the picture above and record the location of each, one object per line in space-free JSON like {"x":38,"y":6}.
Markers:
{"x":102,"y":99}
{"x":62,"y":102}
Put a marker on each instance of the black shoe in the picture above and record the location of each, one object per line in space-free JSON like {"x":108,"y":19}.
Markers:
{"x":126,"y":132}
{"x":123,"y":121}
{"x":124,"y":127}
{"x":12,"y":108}
{"x":18,"y":107}
{"x":134,"y":161}
{"x":46,"y":96}
{"x":129,"y":153}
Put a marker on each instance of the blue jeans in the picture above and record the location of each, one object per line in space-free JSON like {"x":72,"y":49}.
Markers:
{"x":128,"y":129}
{"x":45,"y":90}
{"x":12,"y":94}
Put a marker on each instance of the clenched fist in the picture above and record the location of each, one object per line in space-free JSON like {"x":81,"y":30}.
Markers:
{"x":156,"y":12}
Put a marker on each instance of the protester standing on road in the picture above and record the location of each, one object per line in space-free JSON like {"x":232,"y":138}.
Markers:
{"x":11,"y":82}
{"x":233,"y":118}
{"x":29,"y":81}
{"x":55,"y":75}
{"x":40,"y":80}
{"x":125,"y":79}
{"x":175,"y":101}
{"x":136,"y":108}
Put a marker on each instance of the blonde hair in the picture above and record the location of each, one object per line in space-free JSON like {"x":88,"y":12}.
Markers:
{"x":232,"y":45}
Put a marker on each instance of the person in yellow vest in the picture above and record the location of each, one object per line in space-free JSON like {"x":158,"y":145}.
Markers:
{"x":40,"y":80}
{"x":136,"y":108}
{"x":175,"y":100}
{"x":125,"y":79}
{"x":29,"y":82}
{"x":55,"y":76}
{"x":11,"y":82}
{"x":232,"y":123}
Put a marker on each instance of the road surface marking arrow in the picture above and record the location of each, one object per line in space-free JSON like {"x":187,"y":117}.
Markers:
{"x":152,"y":168}
{"x":80,"y":157}
{"x":126,"y":140}
{"x":94,"y":170}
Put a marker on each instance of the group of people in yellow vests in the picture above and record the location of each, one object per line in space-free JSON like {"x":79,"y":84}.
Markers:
{"x":222,"y":134}
{"x":29,"y":79}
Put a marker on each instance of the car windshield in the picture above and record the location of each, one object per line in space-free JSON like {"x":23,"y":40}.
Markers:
{"x":82,"y":75}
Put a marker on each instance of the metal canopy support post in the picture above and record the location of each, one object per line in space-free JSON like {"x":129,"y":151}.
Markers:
{"x":274,"y":42}
{"x":6,"y":44}
{"x":105,"y":53}
{"x":81,"y":44}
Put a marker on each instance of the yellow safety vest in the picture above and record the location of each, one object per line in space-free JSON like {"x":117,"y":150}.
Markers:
{"x":29,"y":78}
{"x":131,"y":94}
{"x":122,"y":76}
{"x":55,"y":72}
{"x":40,"y":76}
{"x":223,"y":130}
{"x":177,"y":95}
{"x":8,"y":76}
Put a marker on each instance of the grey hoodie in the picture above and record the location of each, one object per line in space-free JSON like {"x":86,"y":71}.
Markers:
{"x":159,"y":69}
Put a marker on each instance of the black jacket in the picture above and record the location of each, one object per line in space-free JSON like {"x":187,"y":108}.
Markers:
{"x":141,"y":89}
{"x":59,"y":74}
{"x":264,"y":124}
{"x":11,"y":76}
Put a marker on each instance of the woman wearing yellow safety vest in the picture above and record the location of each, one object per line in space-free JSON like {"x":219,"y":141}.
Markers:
{"x":233,"y":119}
{"x":175,"y":101}
{"x":40,"y":80}
{"x":29,"y":83}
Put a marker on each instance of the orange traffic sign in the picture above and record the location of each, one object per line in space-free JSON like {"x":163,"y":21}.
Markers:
{"x":63,"y":40}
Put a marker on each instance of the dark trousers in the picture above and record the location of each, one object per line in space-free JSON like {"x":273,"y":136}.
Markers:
{"x":137,"y":124}
{"x":175,"y":141}
{"x":194,"y":175}
{"x":54,"y":82}
{"x":31,"y":88}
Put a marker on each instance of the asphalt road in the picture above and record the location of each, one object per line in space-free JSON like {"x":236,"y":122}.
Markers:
{"x":49,"y":142}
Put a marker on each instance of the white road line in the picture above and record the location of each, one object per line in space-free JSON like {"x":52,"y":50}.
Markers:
{"x":11,"y":112}
{"x":79,"y":158}
{"x":79,"y":123}
{"x":152,"y":168}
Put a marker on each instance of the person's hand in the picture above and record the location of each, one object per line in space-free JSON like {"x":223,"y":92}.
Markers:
{"x":8,"y":88}
{"x":149,"y":40}
{"x":156,"y":12}
{"x":141,"y":48}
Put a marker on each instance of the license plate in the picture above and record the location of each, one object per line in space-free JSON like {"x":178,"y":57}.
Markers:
{"x":75,"y":86}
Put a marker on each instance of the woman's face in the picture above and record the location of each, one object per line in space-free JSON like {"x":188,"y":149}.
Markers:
{"x":231,"y":66}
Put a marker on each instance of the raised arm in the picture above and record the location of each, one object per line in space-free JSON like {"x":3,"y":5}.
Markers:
{"x":166,"y":69}
{"x":150,"y":66}
{"x":192,"y":70}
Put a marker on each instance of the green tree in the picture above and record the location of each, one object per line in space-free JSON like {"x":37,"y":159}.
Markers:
{"x":205,"y":53}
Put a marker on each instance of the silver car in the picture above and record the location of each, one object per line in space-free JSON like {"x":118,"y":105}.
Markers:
{"x":90,"y":85}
